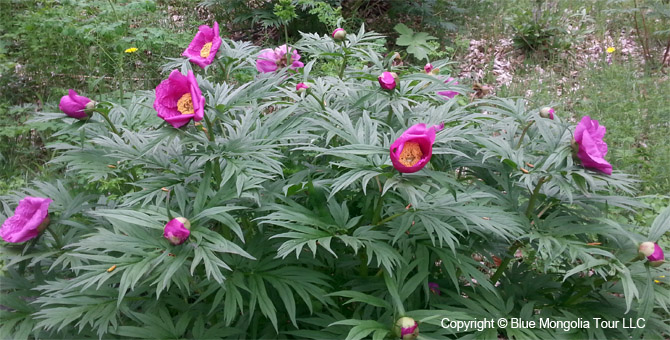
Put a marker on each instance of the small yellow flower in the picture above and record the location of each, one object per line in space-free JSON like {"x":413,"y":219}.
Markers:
{"x":134,"y":49}
{"x":657,"y":281}
{"x":611,"y":49}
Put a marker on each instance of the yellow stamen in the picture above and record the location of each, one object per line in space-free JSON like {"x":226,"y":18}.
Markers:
{"x":206,"y":50}
{"x":411,"y":154}
{"x":185,"y":104}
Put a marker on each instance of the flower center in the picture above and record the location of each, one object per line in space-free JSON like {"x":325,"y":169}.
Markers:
{"x":185,"y":104}
{"x":411,"y":154}
{"x":206,"y":49}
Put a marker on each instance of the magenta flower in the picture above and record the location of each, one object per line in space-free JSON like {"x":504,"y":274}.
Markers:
{"x":387,"y":80}
{"x":407,"y":328}
{"x":413,"y":149}
{"x":547,"y":112}
{"x":301,"y":87}
{"x":270,"y":60}
{"x":74,"y":105}
{"x":592,"y":149}
{"x":30,"y":218}
{"x":177,"y":230}
{"x":428,"y":68}
{"x":653,"y":252}
{"x":449,"y":94}
{"x":179,"y":99}
{"x":202,"y":49}
{"x":434,"y":288}
{"x":339,"y":34}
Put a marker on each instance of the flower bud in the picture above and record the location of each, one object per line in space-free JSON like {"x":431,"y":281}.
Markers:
{"x":434,"y":288}
{"x":388,"y":80}
{"x":74,"y":105}
{"x":653,"y":252}
{"x":547,"y":112}
{"x":301,"y":87}
{"x":339,"y":34}
{"x":177,"y":230}
{"x":406,"y":328}
{"x":428,"y":68}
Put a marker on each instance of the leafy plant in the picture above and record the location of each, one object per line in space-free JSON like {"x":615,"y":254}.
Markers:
{"x":302,"y":228}
{"x":418,"y":44}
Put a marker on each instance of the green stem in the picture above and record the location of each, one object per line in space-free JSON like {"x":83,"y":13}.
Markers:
{"x":512,"y":250}
{"x":210,"y":132}
{"x":390,"y":115}
{"x":344,"y":60}
{"x":216,"y":166}
{"x":390,"y":218}
{"x":510,"y":255}
{"x":56,"y":237}
{"x":323,"y":107}
{"x":288,"y":49}
{"x":523,"y":133}
{"x":109,"y":121}
{"x":533,"y":197}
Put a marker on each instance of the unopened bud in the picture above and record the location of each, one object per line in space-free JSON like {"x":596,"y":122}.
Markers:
{"x":406,"y":328}
{"x":547,"y":112}
{"x":339,"y":34}
{"x":177,"y":230}
{"x":301,"y":87}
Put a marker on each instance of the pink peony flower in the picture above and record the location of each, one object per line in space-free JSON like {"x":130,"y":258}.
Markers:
{"x":388,"y":80}
{"x":30,"y":218}
{"x":413,"y":149}
{"x":339,"y":34}
{"x":428,"y":68}
{"x":301,"y":87}
{"x":449,"y":94}
{"x":653,"y":252}
{"x":547,"y":112}
{"x":592,"y":149}
{"x":177,"y":230}
{"x":74,"y":105}
{"x":407,"y":328}
{"x":270,"y":60}
{"x":179,"y":99}
{"x":202,"y":49}
{"x":434,"y":288}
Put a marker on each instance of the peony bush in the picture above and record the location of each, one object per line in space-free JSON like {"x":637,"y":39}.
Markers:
{"x":257,"y":198}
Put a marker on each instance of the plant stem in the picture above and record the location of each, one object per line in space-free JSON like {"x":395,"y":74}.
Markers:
{"x":209,"y":129}
{"x":105,"y":115}
{"x":288,"y":49}
{"x":57,"y":239}
{"x":503,"y":266}
{"x":533,"y":196}
{"x":392,"y":217}
{"x":665,"y":54}
{"x":344,"y":60}
{"x":390,"y":116}
{"x":323,"y":107}
{"x":517,"y":244}
{"x":523,"y":133}
{"x":216,"y":168}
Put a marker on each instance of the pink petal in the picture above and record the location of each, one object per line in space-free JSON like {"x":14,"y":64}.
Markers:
{"x":28,"y":216}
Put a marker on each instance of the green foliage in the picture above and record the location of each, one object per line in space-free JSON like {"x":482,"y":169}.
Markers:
{"x":545,"y":31}
{"x":301,"y":227}
{"x":417,"y":43}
